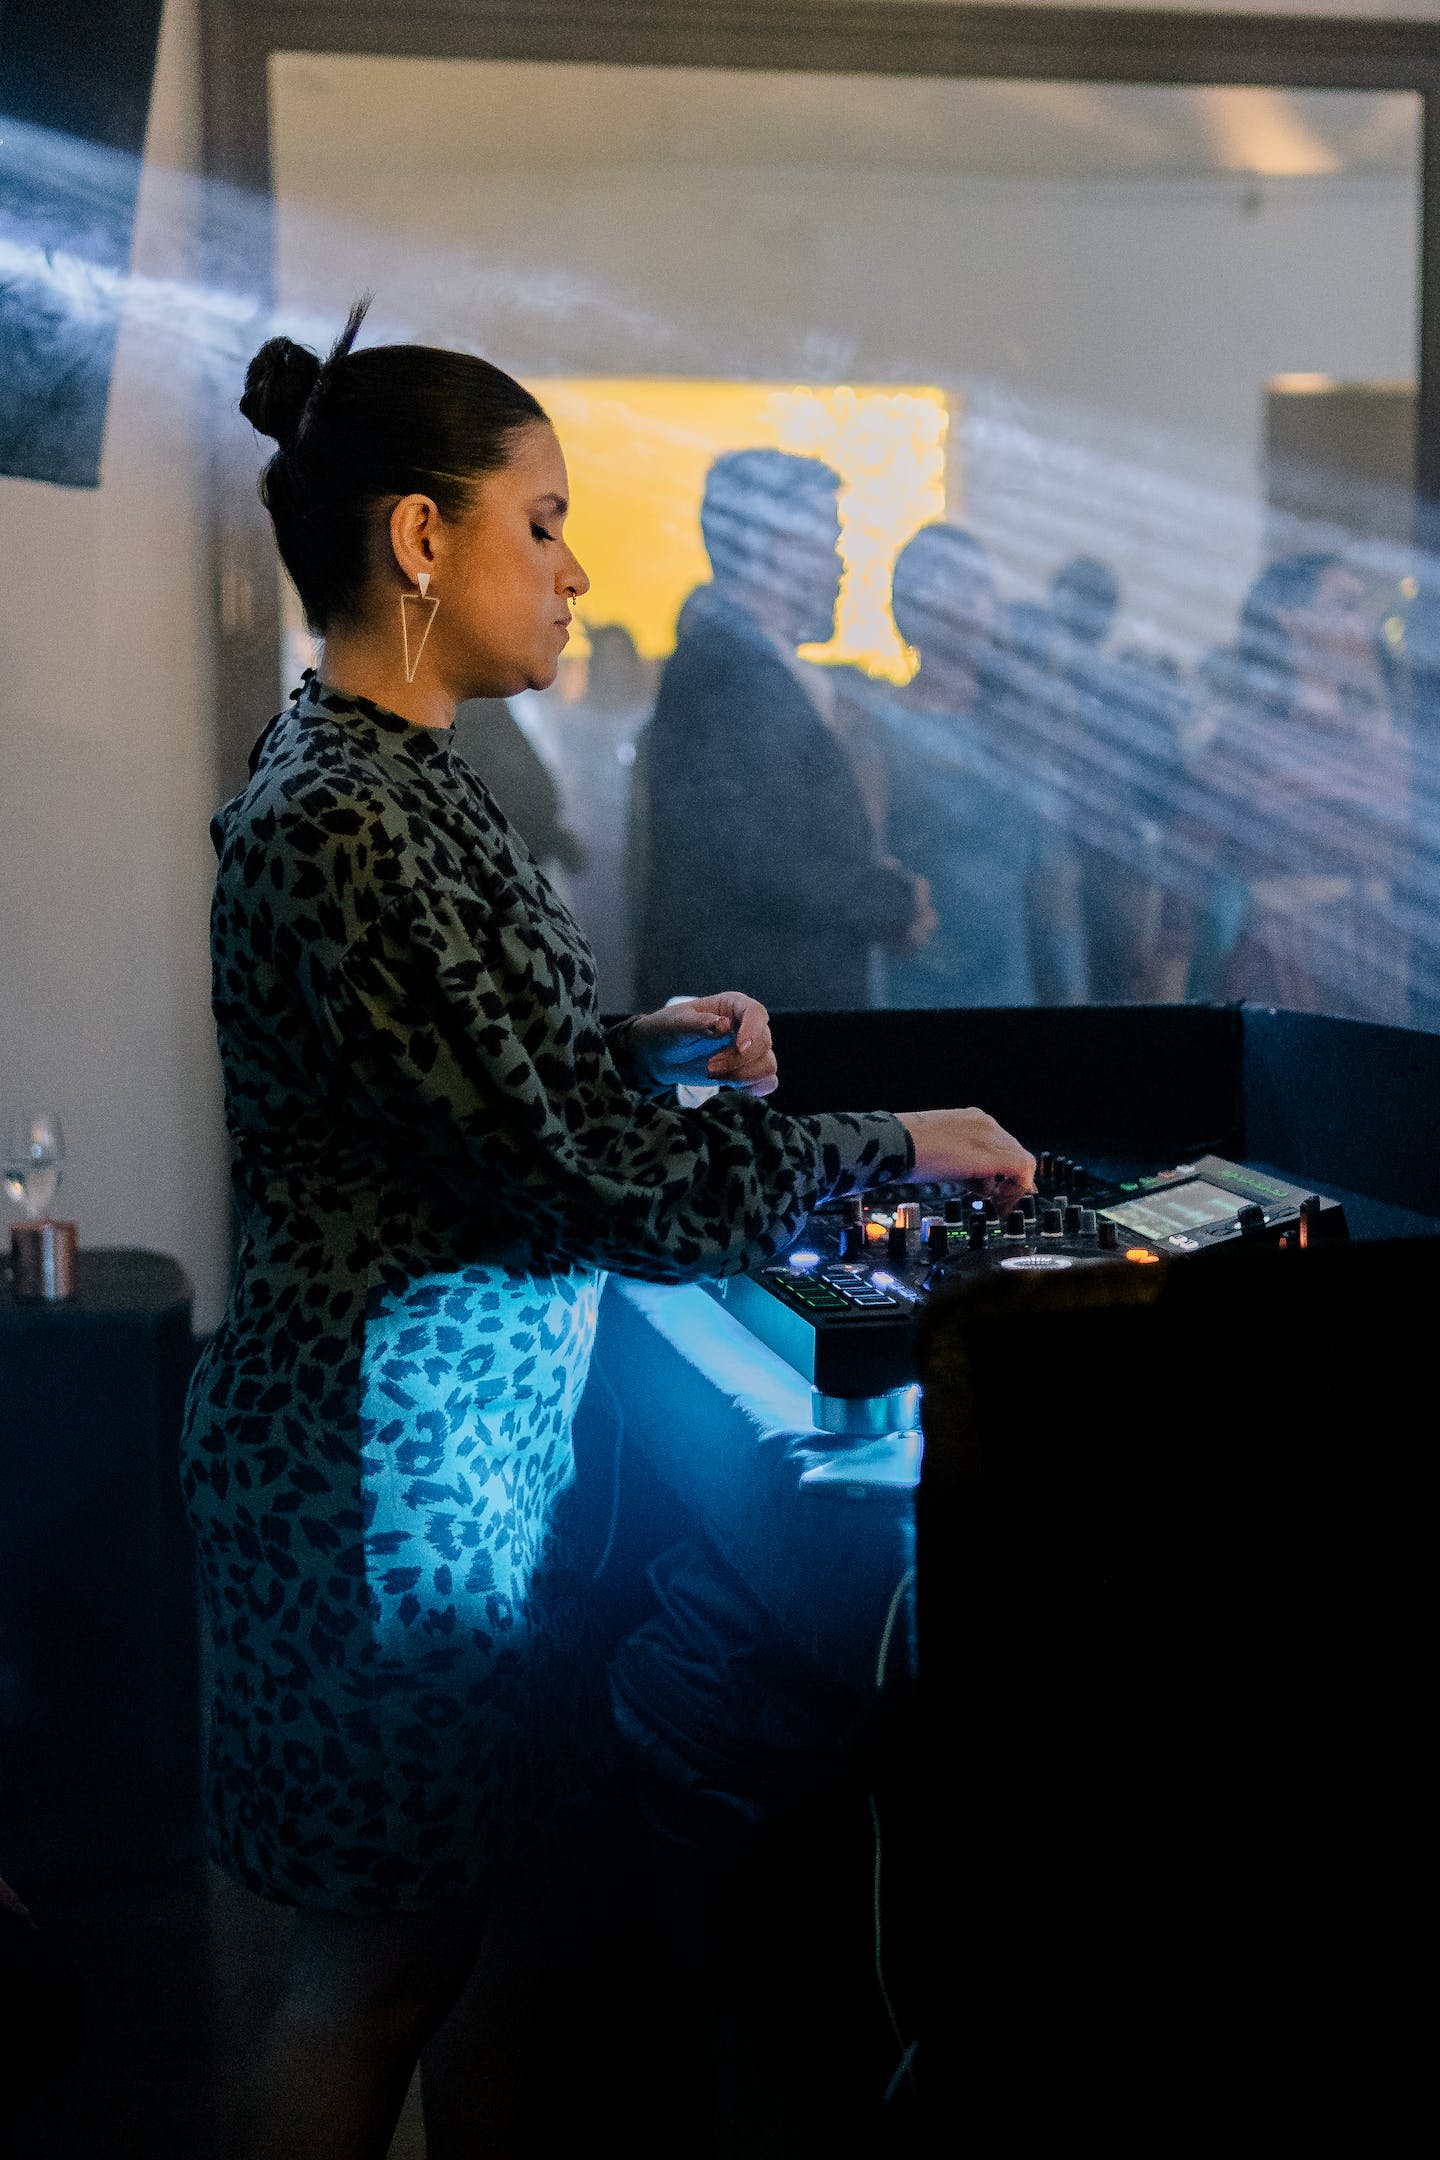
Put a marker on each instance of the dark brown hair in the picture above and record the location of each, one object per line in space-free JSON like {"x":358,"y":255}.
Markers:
{"x":358,"y":427}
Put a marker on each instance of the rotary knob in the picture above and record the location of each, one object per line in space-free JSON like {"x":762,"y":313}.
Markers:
{"x":1052,"y":1223}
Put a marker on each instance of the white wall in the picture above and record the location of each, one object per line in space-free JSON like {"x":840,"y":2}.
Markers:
{"x":108,"y":780}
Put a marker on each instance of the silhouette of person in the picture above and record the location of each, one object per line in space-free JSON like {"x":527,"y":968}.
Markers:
{"x":1118,"y":756}
{"x":961,"y":802}
{"x":1418,"y":693}
{"x":1029,"y":703}
{"x":1305,"y":804}
{"x":762,"y":865}
{"x":1084,"y":601}
{"x":490,"y":738}
{"x":597,"y":743}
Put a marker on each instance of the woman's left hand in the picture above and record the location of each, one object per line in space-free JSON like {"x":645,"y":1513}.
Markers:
{"x":720,"y":1041}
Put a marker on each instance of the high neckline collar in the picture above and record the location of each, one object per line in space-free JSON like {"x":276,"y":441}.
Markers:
{"x":375,"y":726}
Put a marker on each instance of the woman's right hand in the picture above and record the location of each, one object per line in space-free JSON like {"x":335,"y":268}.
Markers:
{"x":967,"y":1147}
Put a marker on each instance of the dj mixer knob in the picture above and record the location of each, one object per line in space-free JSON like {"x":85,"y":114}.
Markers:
{"x":843,"y":1313}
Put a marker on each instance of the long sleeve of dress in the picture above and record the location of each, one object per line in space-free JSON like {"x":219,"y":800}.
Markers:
{"x":459,"y":1029}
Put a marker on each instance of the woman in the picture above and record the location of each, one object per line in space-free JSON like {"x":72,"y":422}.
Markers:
{"x":1301,"y":828}
{"x":437,"y":1150}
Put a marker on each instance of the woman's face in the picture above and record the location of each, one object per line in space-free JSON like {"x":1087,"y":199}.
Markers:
{"x":506,"y":578}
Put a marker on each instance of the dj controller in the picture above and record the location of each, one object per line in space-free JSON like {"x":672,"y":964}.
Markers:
{"x":840,"y":1306}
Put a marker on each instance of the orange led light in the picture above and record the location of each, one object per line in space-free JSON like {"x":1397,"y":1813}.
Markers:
{"x":875,"y":1232}
{"x":1138,"y":1253}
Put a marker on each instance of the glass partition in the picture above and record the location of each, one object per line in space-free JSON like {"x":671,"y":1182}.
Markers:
{"x":997,"y":499}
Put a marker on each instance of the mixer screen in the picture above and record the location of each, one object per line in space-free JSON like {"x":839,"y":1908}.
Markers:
{"x":1183,"y":1207}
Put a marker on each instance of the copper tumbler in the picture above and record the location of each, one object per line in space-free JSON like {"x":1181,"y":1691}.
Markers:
{"x":44,"y":1259}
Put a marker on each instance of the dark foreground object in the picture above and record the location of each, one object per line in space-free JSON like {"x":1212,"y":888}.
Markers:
{"x":99,"y":1632}
{"x":1177,"y":1655}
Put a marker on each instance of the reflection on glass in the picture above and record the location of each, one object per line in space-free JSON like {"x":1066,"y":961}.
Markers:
{"x":1003,"y":584}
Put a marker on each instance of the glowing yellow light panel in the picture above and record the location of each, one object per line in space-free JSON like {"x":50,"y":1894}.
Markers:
{"x":638,"y":451}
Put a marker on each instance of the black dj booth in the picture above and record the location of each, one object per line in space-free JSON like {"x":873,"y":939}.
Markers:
{"x":1020,"y":1633}
{"x":1085,"y":1737}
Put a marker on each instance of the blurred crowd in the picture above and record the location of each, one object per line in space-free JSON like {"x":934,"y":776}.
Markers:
{"x":1042,"y":814}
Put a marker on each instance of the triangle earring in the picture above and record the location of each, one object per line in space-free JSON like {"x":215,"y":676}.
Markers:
{"x":417,"y":613}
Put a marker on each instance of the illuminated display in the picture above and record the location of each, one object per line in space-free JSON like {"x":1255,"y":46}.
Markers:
{"x":638,"y":450}
{"x":1183,"y":1207}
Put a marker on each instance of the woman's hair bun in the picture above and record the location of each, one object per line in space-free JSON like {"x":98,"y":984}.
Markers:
{"x":279,"y":384}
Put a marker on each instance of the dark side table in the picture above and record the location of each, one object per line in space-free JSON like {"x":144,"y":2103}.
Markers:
{"x":99,"y":1662}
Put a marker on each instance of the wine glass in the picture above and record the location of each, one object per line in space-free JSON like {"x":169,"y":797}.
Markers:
{"x":30,"y":1167}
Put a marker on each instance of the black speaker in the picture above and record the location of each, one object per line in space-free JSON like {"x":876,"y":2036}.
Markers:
{"x":1177,"y":1635}
{"x":75,"y":81}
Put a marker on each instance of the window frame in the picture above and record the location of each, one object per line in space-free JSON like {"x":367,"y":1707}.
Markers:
{"x":897,"y":37}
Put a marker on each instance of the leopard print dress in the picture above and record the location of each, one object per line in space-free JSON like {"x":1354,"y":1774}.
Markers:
{"x":438,"y":1150}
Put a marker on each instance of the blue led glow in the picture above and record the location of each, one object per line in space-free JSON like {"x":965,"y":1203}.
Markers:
{"x":804,"y":1259}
